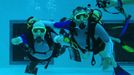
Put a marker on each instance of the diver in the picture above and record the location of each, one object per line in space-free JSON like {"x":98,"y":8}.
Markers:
{"x":37,"y":42}
{"x":73,"y":52}
{"x":86,"y":24}
{"x":118,"y":4}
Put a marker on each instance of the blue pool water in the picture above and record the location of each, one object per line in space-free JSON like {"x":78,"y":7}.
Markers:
{"x":49,"y":10}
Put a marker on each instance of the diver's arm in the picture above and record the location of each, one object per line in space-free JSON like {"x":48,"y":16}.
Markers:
{"x":17,"y":40}
{"x":52,"y":24}
{"x":64,"y":24}
{"x":108,"y":50}
{"x":48,"y":23}
{"x":62,"y":40}
{"x":58,"y":25}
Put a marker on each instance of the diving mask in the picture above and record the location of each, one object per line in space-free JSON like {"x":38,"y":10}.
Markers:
{"x":42,"y":30}
{"x":81,"y":15}
{"x":39,"y":30}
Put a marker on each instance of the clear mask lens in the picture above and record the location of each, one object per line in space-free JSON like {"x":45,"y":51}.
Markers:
{"x":79,"y":16}
{"x":38,"y":29}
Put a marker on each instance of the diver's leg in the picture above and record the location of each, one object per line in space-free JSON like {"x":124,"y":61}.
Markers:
{"x":115,"y":3}
{"x":63,"y":49}
{"x":31,"y":67}
{"x":107,"y":61}
{"x":74,"y":54}
{"x":111,"y":61}
{"x":123,"y":12}
{"x":118,"y":70}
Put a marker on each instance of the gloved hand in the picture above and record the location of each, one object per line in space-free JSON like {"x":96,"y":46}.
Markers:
{"x":97,"y":15}
{"x":62,"y":40}
{"x":31,"y":20}
{"x":16,"y":41}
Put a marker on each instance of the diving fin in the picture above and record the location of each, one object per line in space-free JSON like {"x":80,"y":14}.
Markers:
{"x":127,"y":20}
{"x":120,"y":71}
